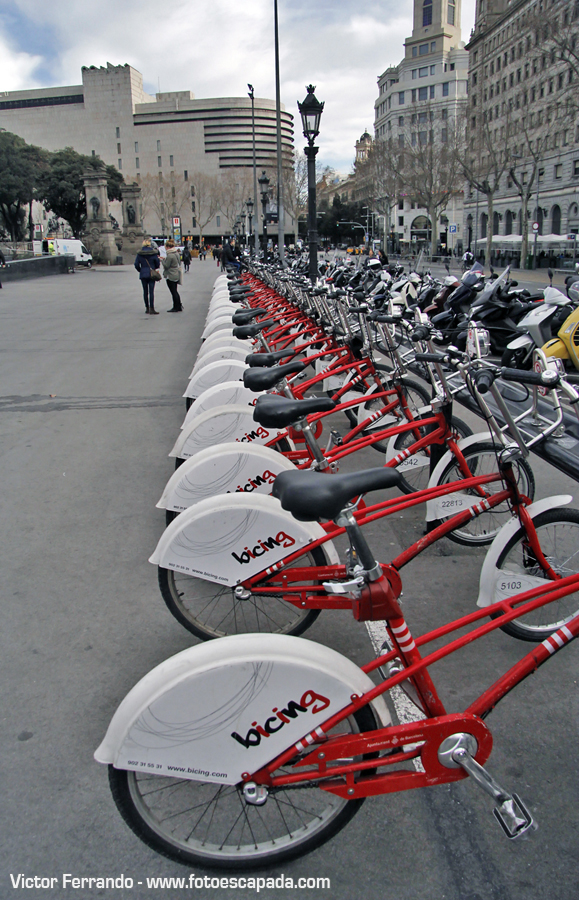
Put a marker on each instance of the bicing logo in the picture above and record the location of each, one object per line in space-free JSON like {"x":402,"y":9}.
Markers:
{"x":309,"y":700}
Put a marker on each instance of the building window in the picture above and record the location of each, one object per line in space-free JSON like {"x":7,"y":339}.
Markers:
{"x":93,"y":153}
{"x":432,"y":46}
{"x":576,"y":167}
{"x":422,"y":118}
{"x":158,"y":146}
{"x":400,"y":140}
{"x":445,"y":86}
{"x":422,"y":136}
{"x":431,"y":92}
{"x":444,"y":135}
{"x":414,"y":74}
{"x":558,"y":170}
{"x":423,"y":50}
{"x":136,"y":146}
{"x":444,"y":114}
{"x":423,"y":72}
{"x":451,"y":12}
{"x":194,"y":222}
{"x":401,"y":121}
{"x":137,"y":163}
{"x":193,"y":206}
{"x":401,"y":221}
{"x":426,"y":13}
{"x":120,"y":164}
{"x":118,"y":148}
{"x":400,"y":98}
{"x":171,"y":161}
{"x":415,"y":51}
{"x":432,"y":70}
{"x":401,"y":204}
{"x":192,"y":191}
{"x":218,"y":221}
{"x":159,"y":161}
{"x":118,"y":131}
{"x":161,"y":192}
{"x":185,"y":175}
{"x":173,"y":192}
{"x":423,"y":93}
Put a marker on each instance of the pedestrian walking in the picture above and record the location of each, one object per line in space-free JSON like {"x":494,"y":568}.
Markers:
{"x":2,"y":263}
{"x":186,"y":258}
{"x":172,"y":273}
{"x":217,"y":255}
{"x":147,"y":264}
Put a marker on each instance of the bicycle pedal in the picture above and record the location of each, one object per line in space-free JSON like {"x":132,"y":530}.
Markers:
{"x":514,"y":817}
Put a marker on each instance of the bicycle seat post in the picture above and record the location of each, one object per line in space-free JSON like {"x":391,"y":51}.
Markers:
{"x":372,"y":570}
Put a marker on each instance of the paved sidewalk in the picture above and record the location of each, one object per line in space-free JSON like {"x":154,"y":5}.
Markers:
{"x":91,"y":405}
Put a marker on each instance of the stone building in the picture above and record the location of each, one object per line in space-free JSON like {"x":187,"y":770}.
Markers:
{"x":420,"y":100}
{"x":522,"y":101}
{"x":166,"y":143}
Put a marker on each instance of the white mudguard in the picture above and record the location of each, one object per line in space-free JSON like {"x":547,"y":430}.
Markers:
{"x":498,"y":584}
{"x":406,"y":463}
{"x":451,"y":503}
{"x":224,"y":469}
{"x":230,"y":392}
{"x":221,"y":339}
{"x":221,"y":323}
{"x":218,"y":710}
{"x":215,"y":373}
{"x":231,"y":537}
{"x":220,"y":312}
{"x":218,"y":352}
{"x":221,"y":424}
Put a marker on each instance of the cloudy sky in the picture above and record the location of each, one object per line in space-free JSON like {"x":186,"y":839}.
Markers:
{"x":214,"y":48}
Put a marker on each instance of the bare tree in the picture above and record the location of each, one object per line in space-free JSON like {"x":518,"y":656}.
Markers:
{"x":236,"y":187}
{"x":205,"y":190}
{"x":483,"y":157}
{"x":424,"y":165}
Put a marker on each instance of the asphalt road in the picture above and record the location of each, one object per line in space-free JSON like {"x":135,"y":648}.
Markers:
{"x":91,"y":405}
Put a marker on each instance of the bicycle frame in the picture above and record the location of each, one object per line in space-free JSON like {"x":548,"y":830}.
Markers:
{"x":358,"y":778}
{"x":282,"y":574}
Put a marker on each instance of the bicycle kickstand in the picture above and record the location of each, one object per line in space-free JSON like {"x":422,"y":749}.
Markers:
{"x":512,"y":815}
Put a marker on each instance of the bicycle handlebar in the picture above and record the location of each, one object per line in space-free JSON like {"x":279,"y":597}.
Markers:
{"x":548,"y":378}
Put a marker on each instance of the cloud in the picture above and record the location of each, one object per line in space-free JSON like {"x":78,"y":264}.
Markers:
{"x":17,"y":69}
{"x":214,"y":49}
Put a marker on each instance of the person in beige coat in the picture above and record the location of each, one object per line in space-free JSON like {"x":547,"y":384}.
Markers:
{"x":172,"y":273}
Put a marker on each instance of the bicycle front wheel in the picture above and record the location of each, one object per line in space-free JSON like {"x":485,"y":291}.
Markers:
{"x":415,"y":470}
{"x":416,"y":397}
{"x":204,"y":824}
{"x":210,"y":610}
{"x":482,"y":460}
{"x":558,"y":534}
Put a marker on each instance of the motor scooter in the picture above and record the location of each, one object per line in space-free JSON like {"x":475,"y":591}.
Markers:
{"x":566,"y":345}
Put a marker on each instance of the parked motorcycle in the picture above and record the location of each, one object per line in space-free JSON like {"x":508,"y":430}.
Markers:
{"x":536,"y":328}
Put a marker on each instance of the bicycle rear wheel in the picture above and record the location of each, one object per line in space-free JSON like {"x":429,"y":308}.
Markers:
{"x":415,"y":470}
{"x":558,"y":533}
{"x":210,"y":610}
{"x":200,"y":823}
{"x":416,"y":397}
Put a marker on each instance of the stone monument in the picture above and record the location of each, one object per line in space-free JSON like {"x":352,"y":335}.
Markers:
{"x":99,"y":234}
{"x":133,"y":233}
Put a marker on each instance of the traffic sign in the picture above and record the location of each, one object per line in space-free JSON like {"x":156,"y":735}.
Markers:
{"x":452,"y":229}
{"x":176,"y":222}
{"x":535,"y":226}
{"x":570,"y":237}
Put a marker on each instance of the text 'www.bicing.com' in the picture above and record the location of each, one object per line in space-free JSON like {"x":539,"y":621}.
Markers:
{"x":68,"y":881}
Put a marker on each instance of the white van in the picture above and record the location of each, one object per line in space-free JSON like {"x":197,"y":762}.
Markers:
{"x":58,"y":247}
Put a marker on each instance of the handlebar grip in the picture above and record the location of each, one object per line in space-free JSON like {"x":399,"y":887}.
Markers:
{"x":483,"y":379}
{"x":429,"y":357}
{"x":421,"y":333}
{"x":550,"y":378}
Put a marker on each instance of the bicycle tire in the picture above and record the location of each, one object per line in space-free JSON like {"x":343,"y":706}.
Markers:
{"x":417,"y":478}
{"x":210,"y":610}
{"x":204,"y":824}
{"x":481,"y":460}
{"x":558,"y":532}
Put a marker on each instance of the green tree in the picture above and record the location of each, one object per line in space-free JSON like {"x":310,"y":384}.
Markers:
{"x":21,"y":165}
{"x":61,"y":187}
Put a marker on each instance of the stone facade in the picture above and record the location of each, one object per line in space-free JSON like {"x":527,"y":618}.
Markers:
{"x":523,"y":95}
{"x":165,"y":140}
{"x":424,"y":95}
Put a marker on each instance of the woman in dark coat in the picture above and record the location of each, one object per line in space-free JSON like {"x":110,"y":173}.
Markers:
{"x":147,"y":260}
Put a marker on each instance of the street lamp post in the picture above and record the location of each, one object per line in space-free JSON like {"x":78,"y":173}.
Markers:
{"x":264,"y":188}
{"x":311,"y":111}
{"x":537,"y":219}
{"x":251,"y":95}
{"x":249,"y":204}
